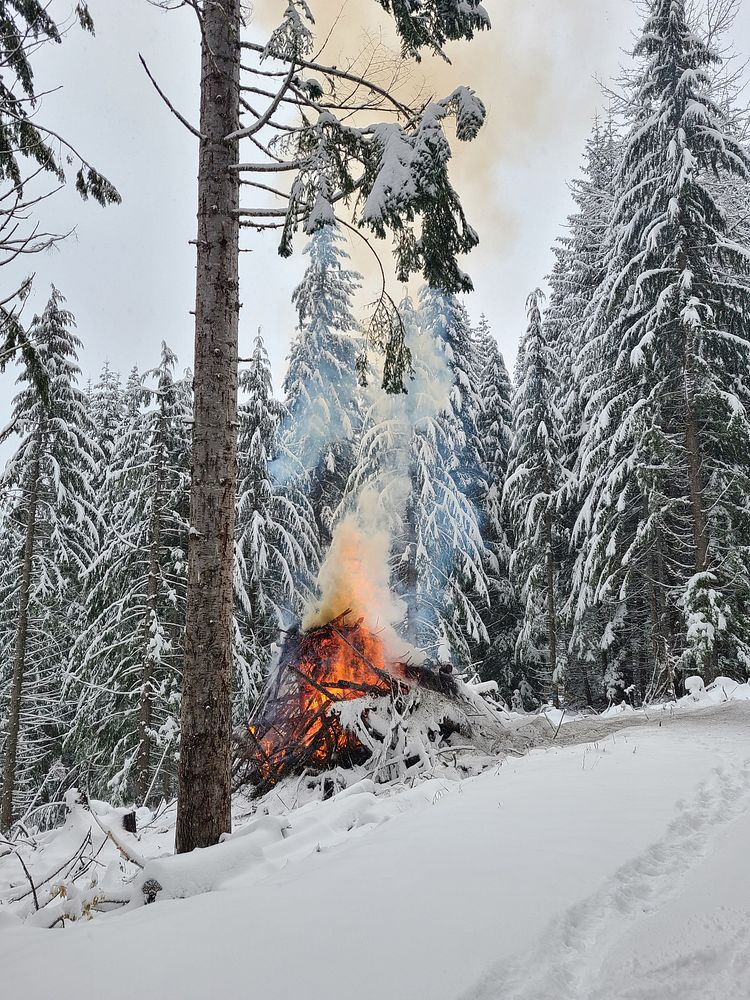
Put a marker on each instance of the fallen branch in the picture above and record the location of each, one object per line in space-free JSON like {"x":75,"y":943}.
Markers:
{"x":128,"y":854}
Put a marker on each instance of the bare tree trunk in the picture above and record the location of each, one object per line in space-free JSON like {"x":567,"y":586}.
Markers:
{"x":204,"y":803}
{"x":587,"y":685}
{"x":19,"y":662}
{"x":551,"y":611}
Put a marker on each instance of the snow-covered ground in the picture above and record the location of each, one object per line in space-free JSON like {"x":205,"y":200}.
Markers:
{"x":614,"y":870}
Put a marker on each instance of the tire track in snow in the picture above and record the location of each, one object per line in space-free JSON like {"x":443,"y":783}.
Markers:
{"x":566,"y":962}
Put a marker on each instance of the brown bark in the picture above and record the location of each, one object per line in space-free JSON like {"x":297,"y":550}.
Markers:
{"x":204,"y":804}
{"x":19,"y":662}
{"x":551,"y":610}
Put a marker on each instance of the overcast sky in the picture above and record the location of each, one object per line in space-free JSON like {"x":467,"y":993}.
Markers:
{"x":128,"y":273}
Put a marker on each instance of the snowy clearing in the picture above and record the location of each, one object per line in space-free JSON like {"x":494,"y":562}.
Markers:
{"x":615,"y":869}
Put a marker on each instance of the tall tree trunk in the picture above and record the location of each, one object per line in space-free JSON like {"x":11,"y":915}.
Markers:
{"x":204,"y":803}
{"x":663,"y":672}
{"x":19,"y":662}
{"x":587,"y":685}
{"x":551,"y":610}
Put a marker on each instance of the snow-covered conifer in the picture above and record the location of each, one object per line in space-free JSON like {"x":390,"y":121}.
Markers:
{"x":125,"y":668}
{"x":419,"y":459}
{"x":277,"y":546}
{"x":324,"y":418}
{"x":668,"y":434}
{"x":49,"y":532}
{"x":535,"y":476}
{"x":494,"y":428}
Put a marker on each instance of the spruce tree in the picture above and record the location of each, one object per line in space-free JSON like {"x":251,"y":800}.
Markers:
{"x":662,"y":532}
{"x":106,"y":406}
{"x":277,"y":545}
{"x":535,"y":476}
{"x":49,"y":529}
{"x":580,"y":265}
{"x":125,"y":668}
{"x":323,"y":418}
{"x":419,"y":461}
{"x":494,"y":436}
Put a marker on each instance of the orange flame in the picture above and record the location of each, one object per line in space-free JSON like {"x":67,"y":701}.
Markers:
{"x":337,"y":662}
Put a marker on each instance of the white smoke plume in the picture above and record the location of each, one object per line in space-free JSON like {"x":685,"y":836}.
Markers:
{"x":356,"y":572}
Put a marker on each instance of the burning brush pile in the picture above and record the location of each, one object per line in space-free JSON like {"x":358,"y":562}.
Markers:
{"x":337,"y":701}
{"x":350,"y":699}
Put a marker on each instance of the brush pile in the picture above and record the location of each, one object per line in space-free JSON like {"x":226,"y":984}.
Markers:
{"x":336,"y":701}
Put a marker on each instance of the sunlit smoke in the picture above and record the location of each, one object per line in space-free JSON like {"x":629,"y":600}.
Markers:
{"x":356,"y":573}
{"x":355,"y":577}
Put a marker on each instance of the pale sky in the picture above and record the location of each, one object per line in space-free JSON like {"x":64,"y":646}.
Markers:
{"x":128,"y":274}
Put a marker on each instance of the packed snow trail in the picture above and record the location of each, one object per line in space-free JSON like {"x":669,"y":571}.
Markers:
{"x":610,"y":871}
{"x":599,"y":947}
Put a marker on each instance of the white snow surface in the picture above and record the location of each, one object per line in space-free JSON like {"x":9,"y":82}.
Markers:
{"x":614,"y":870}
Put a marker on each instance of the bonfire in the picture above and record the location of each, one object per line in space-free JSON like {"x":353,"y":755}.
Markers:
{"x":337,"y":700}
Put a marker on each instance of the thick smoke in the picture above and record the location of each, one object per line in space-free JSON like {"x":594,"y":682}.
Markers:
{"x":355,"y":577}
{"x":356,"y":573}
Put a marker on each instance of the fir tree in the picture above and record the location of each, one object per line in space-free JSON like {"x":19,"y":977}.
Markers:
{"x":107,"y":409}
{"x":663,"y":528}
{"x":323,"y":419}
{"x":277,"y":546}
{"x":580,"y":265}
{"x":494,"y":436}
{"x":49,"y":530}
{"x":419,"y":459}
{"x":535,"y":476}
{"x":125,"y":668}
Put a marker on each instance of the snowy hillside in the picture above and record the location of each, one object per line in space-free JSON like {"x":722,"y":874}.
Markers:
{"x":615,"y":869}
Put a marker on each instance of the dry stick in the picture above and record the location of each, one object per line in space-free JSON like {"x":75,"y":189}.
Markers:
{"x":365,"y":660}
{"x":559,"y":725}
{"x":194,"y":131}
{"x":28,"y":877}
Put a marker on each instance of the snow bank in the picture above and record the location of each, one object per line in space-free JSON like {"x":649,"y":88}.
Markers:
{"x":539,"y":879}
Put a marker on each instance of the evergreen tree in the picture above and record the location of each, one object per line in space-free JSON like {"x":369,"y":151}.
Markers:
{"x":323,"y":419}
{"x":580,"y":265}
{"x":125,"y":668}
{"x":447,"y":487}
{"x":107,"y":409}
{"x":49,"y":531}
{"x":494,"y":436}
{"x":31,"y":152}
{"x":277,"y":545}
{"x":419,"y":459}
{"x":662,"y":534}
{"x":535,"y":476}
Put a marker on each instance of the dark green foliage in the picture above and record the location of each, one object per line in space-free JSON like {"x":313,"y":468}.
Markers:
{"x":431,"y":24}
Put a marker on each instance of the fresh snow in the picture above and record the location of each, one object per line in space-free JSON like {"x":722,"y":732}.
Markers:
{"x":615,"y":869}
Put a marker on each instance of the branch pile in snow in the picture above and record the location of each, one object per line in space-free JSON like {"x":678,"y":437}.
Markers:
{"x":336,"y":701}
